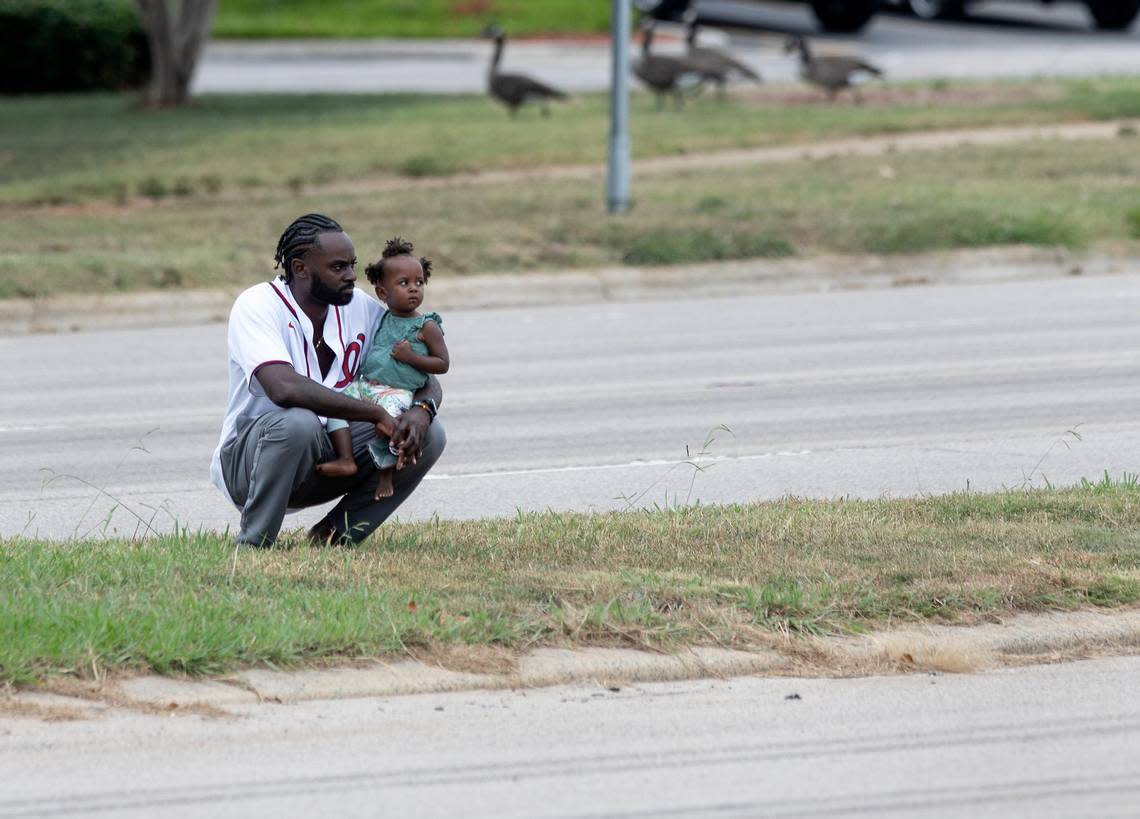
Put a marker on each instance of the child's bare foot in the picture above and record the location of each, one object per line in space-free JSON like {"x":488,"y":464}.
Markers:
{"x":340,"y":468}
{"x":384,"y":484}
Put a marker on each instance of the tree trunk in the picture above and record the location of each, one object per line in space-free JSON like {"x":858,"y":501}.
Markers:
{"x":176,"y":30}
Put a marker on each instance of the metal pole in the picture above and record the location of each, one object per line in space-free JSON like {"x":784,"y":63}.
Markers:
{"x":617,"y":182}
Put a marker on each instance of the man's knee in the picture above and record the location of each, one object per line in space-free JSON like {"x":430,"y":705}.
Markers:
{"x":434,"y":443}
{"x":294,"y":426}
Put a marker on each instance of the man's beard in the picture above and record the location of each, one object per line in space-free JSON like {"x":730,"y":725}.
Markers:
{"x":326,"y":295}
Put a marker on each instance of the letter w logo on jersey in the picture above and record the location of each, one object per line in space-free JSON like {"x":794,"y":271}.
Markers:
{"x":350,"y":361}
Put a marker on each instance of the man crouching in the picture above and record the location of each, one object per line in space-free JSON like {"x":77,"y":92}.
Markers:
{"x":294,"y":344}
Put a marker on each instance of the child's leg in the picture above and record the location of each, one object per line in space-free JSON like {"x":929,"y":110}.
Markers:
{"x":394,"y":401}
{"x":384,"y":483}
{"x":344,"y":465}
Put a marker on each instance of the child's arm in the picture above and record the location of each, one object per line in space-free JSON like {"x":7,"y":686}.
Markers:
{"x":436,"y":361}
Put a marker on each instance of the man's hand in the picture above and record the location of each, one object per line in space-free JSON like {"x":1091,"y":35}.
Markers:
{"x":411,"y":427}
{"x":402,"y":351}
{"x":386,"y":426}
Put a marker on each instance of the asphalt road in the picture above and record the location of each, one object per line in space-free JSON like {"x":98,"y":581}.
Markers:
{"x":892,"y":392}
{"x":1003,"y":39}
{"x":1043,"y":742}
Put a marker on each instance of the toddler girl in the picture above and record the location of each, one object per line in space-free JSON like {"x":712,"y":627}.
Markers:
{"x":406,"y":347}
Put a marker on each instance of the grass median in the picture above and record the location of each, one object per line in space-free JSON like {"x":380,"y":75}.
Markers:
{"x":729,"y":576}
{"x":405,"y":18}
{"x":101,"y":148}
{"x":1045,"y":192}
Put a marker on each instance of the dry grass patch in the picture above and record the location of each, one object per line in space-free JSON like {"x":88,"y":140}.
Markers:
{"x":929,"y":654}
{"x":468,"y":659}
{"x":22,"y":709}
{"x":102,"y":689}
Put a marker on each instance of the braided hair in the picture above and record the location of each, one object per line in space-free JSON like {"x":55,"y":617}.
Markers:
{"x":299,"y":238}
{"x":392,"y":248}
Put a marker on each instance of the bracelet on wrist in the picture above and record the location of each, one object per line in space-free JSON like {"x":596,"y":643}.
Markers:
{"x":428,"y":406}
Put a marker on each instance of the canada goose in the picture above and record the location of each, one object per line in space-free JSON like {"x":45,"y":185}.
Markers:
{"x":511,"y":89}
{"x":831,"y":73}
{"x":715,"y":65}
{"x":665,"y":75}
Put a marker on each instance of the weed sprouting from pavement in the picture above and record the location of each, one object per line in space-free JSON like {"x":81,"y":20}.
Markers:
{"x":1070,"y":436}
{"x":143,"y":525}
{"x":100,"y":492}
{"x":694,"y":459}
{"x":699,"y":462}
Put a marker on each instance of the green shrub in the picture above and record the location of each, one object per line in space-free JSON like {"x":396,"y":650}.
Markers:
{"x":153,"y":188}
{"x":711,"y":204}
{"x":916,"y":231}
{"x":183,"y":186}
{"x":428,"y":165}
{"x":70,"y":45}
{"x":1133,"y":220}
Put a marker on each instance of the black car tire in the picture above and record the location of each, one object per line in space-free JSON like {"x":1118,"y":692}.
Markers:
{"x":845,"y":15}
{"x":1113,"y":14}
{"x":937,"y":9}
{"x":662,"y":9}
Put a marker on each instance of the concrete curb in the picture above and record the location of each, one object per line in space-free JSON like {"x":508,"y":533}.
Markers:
{"x":65,"y":314}
{"x":754,"y":276}
{"x":1020,"y":639}
{"x":538,"y":669}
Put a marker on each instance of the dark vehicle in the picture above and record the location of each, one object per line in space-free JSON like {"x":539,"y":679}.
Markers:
{"x":852,"y":15}
{"x":1113,"y":15}
{"x":833,"y":15}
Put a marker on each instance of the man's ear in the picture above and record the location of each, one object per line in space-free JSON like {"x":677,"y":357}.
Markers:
{"x":298,"y":268}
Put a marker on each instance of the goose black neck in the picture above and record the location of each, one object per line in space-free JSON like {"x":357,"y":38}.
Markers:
{"x":646,"y":40}
{"x":498,"y":52}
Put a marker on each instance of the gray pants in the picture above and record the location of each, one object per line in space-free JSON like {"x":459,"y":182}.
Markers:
{"x":268,"y":467}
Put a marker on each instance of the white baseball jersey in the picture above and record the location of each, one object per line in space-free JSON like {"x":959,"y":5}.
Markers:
{"x":268,"y":327}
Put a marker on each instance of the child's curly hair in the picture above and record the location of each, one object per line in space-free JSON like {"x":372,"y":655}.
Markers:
{"x":394,"y":247}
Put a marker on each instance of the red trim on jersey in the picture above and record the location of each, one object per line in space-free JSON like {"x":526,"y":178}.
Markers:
{"x":340,"y":333}
{"x":348,"y":364}
{"x":304,"y":340}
